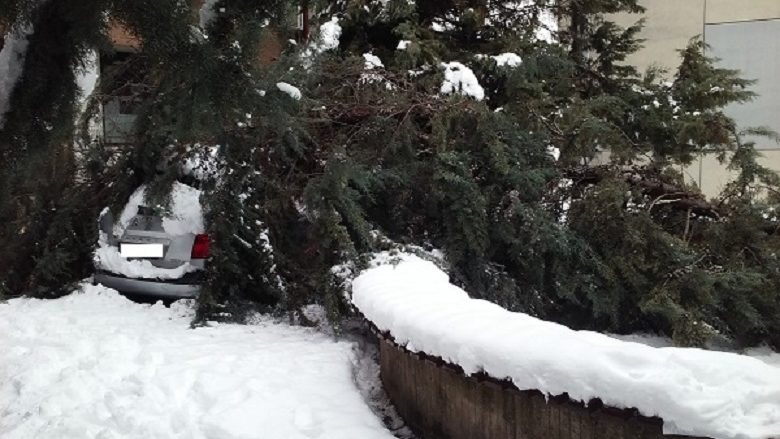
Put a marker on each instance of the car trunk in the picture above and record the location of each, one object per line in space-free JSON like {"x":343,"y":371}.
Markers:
{"x":147,"y":228}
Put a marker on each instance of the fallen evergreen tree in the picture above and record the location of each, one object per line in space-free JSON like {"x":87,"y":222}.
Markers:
{"x":468,"y":127}
{"x":415,"y":146}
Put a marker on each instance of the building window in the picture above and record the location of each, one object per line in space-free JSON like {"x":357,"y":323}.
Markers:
{"x":124,"y":90}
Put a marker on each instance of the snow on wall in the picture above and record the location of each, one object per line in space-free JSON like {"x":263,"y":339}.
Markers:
{"x":11,"y":65}
{"x":696,"y":392}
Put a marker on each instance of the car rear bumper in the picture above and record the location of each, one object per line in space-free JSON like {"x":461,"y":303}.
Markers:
{"x":149,"y":287}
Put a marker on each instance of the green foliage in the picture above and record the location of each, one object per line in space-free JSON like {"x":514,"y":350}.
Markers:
{"x":626,"y":246}
{"x":609,"y":236}
{"x":41,"y":206}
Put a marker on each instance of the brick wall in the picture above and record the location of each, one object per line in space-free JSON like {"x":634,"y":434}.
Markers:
{"x":439,"y":401}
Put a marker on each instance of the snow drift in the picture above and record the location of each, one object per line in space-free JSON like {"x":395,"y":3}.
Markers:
{"x":696,"y":392}
{"x":95,"y":365}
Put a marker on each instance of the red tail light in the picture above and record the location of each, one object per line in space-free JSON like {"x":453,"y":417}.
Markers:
{"x":200,"y":248}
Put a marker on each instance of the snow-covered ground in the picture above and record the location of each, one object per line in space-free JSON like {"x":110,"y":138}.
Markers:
{"x":696,"y":392}
{"x":95,"y":365}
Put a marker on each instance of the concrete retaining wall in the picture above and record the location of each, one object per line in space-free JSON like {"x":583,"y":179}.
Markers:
{"x":439,"y":401}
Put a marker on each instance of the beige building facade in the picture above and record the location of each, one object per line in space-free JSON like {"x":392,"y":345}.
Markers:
{"x":744,"y":35}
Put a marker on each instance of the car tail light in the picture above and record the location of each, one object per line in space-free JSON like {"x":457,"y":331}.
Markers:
{"x":200,"y":248}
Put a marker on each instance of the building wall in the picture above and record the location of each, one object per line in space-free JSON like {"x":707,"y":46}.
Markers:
{"x":669,"y":25}
{"x":745,"y":34}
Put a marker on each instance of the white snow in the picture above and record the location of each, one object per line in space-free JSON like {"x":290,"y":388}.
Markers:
{"x":108,"y":258}
{"x":696,"y":392}
{"x":548,"y":24}
{"x":202,"y":162}
{"x":11,"y":64}
{"x":330,"y":32}
{"x":372,"y":61}
{"x":403,"y":44}
{"x":508,"y":59}
{"x":553,"y":152}
{"x":87,"y":78}
{"x":186,"y":212}
{"x":290,"y":89}
{"x":460,"y":79}
{"x":94,"y":365}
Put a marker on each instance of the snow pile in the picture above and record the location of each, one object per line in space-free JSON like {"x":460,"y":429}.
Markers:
{"x":95,"y":365}
{"x":460,"y":79}
{"x":186,"y":212}
{"x":508,"y":59}
{"x":11,"y":63}
{"x":290,"y":89}
{"x":696,"y":392}
{"x":403,"y":44}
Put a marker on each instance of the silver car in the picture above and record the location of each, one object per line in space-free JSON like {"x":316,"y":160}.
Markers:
{"x":147,"y":260}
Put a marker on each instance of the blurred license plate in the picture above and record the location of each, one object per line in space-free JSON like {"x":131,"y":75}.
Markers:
{"x":141,"y":250}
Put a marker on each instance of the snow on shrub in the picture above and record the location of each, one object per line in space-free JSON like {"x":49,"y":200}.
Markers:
{"x":696,"y":392}
{"x":372,"y":61}
{"x":508,"y":59}
{"x":460,"y":79}
{"x":330,"y":32}
{"x":290,"y":89}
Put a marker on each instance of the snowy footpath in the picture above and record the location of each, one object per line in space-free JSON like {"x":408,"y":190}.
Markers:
{"x":95,"y":365}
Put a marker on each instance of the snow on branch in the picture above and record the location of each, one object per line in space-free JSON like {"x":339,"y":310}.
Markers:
{"x":461,"y":79}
